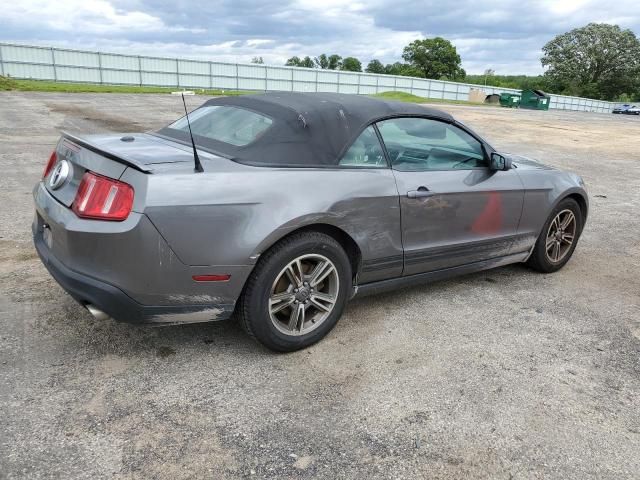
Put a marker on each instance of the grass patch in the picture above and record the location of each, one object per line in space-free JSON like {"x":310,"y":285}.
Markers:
{"x":48,"y":86}
{"x":7,"y":83}
{"x":408,"y":97}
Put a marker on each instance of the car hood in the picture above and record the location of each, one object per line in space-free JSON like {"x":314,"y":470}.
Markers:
{"x":527,"y":163}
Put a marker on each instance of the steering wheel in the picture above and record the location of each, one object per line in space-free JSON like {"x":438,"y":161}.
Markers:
{"x":409,"y":159}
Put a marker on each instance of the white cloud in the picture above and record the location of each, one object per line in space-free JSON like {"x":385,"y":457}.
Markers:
{"x":256,"y":42}
{"x":565,"y":7}
{"x":506,"y":35}
{"x":95,"y":16}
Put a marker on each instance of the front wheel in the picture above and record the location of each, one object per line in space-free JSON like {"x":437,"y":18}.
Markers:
{"x":297,"y":292}
{"x":558,"y":238}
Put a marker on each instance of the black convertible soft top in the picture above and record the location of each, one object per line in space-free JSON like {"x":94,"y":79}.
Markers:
{"x":308,"y":129}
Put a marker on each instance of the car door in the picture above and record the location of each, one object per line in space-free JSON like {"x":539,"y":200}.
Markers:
{"x":372,"y":216}
{"x":454,"y":209}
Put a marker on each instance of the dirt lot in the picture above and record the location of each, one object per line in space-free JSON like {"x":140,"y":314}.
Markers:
{"x":504,"y":374}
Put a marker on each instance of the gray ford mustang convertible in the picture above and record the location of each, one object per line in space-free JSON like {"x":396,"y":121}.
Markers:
{"x":281,"y":207}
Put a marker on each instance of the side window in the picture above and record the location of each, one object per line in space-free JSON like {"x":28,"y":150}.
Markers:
{"x":366,"y":151}
{"x":423,"y":144}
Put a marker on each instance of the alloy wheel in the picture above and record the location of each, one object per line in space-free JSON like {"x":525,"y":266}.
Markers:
{"x":560,"y":236}
{"x":303,"y":294}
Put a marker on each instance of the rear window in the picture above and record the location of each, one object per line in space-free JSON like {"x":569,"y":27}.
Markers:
{"x":224,"y":123}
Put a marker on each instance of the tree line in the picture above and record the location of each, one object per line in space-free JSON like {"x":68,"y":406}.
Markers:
{"x":327,"y":62}
{"x":427,"y":58}
{"x":599,"y":61}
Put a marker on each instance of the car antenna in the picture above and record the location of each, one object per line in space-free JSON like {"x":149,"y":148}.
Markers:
{"x":196,"y":160}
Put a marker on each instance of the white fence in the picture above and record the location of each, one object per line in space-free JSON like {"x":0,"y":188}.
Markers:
{"x":64,"y":65}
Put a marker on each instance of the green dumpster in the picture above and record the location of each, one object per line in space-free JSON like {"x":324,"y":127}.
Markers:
{"x":510,"y":100}
{"x":535,"y":100}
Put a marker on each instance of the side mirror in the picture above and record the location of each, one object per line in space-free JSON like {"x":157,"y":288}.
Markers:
{"x":499,"y":162}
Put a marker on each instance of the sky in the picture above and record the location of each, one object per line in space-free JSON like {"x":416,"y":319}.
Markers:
{"x":504,"y":35}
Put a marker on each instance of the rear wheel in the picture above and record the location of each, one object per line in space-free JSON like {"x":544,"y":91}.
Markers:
{"x":297,"y":292}
{"x":558,"y":238}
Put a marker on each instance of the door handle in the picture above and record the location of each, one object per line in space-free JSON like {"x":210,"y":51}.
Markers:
{"x":419,"y":193}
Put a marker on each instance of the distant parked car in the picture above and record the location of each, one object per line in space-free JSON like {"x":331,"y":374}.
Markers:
{"x":621,"y":108}
{"x":627,"y":109}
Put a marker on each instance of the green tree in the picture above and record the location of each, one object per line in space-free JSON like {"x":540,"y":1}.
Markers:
{"x":489,"y":72}
{"x":257,"y":60}
{"x":435,"y":58}
{"x":521,"y":82}
{"x":293,"y":62}
{"x":335,"y":62}
{"x":351,"y":64}
{"x":404,"y":69}
{"x":375,"y":66}
{"x":331,"y":62}
{"x":307,"y":62}
{"x":322,"y":61}
{"x":296,"y":61}
{"x":598,"y":60}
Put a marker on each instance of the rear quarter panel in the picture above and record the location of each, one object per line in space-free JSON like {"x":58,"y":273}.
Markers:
{"x":232,"y":213}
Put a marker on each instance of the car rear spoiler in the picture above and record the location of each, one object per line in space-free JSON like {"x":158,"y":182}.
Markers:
{"x":107,"y":154}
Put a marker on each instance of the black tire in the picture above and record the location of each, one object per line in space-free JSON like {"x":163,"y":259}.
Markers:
{"x":539,"y":259}
{"x":253,"y":311}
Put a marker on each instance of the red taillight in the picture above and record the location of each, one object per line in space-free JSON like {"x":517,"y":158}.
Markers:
{"x":50,"y":164}
{"x":103,"y":198}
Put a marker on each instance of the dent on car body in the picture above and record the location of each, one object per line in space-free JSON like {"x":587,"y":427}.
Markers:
{"x":204,"y":315}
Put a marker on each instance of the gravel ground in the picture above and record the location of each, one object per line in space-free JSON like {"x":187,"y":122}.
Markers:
{"x":503,"y":374}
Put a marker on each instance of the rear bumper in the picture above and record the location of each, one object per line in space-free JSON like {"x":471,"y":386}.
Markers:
{"x":127,"y":270}
{"x":117,"y":304}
